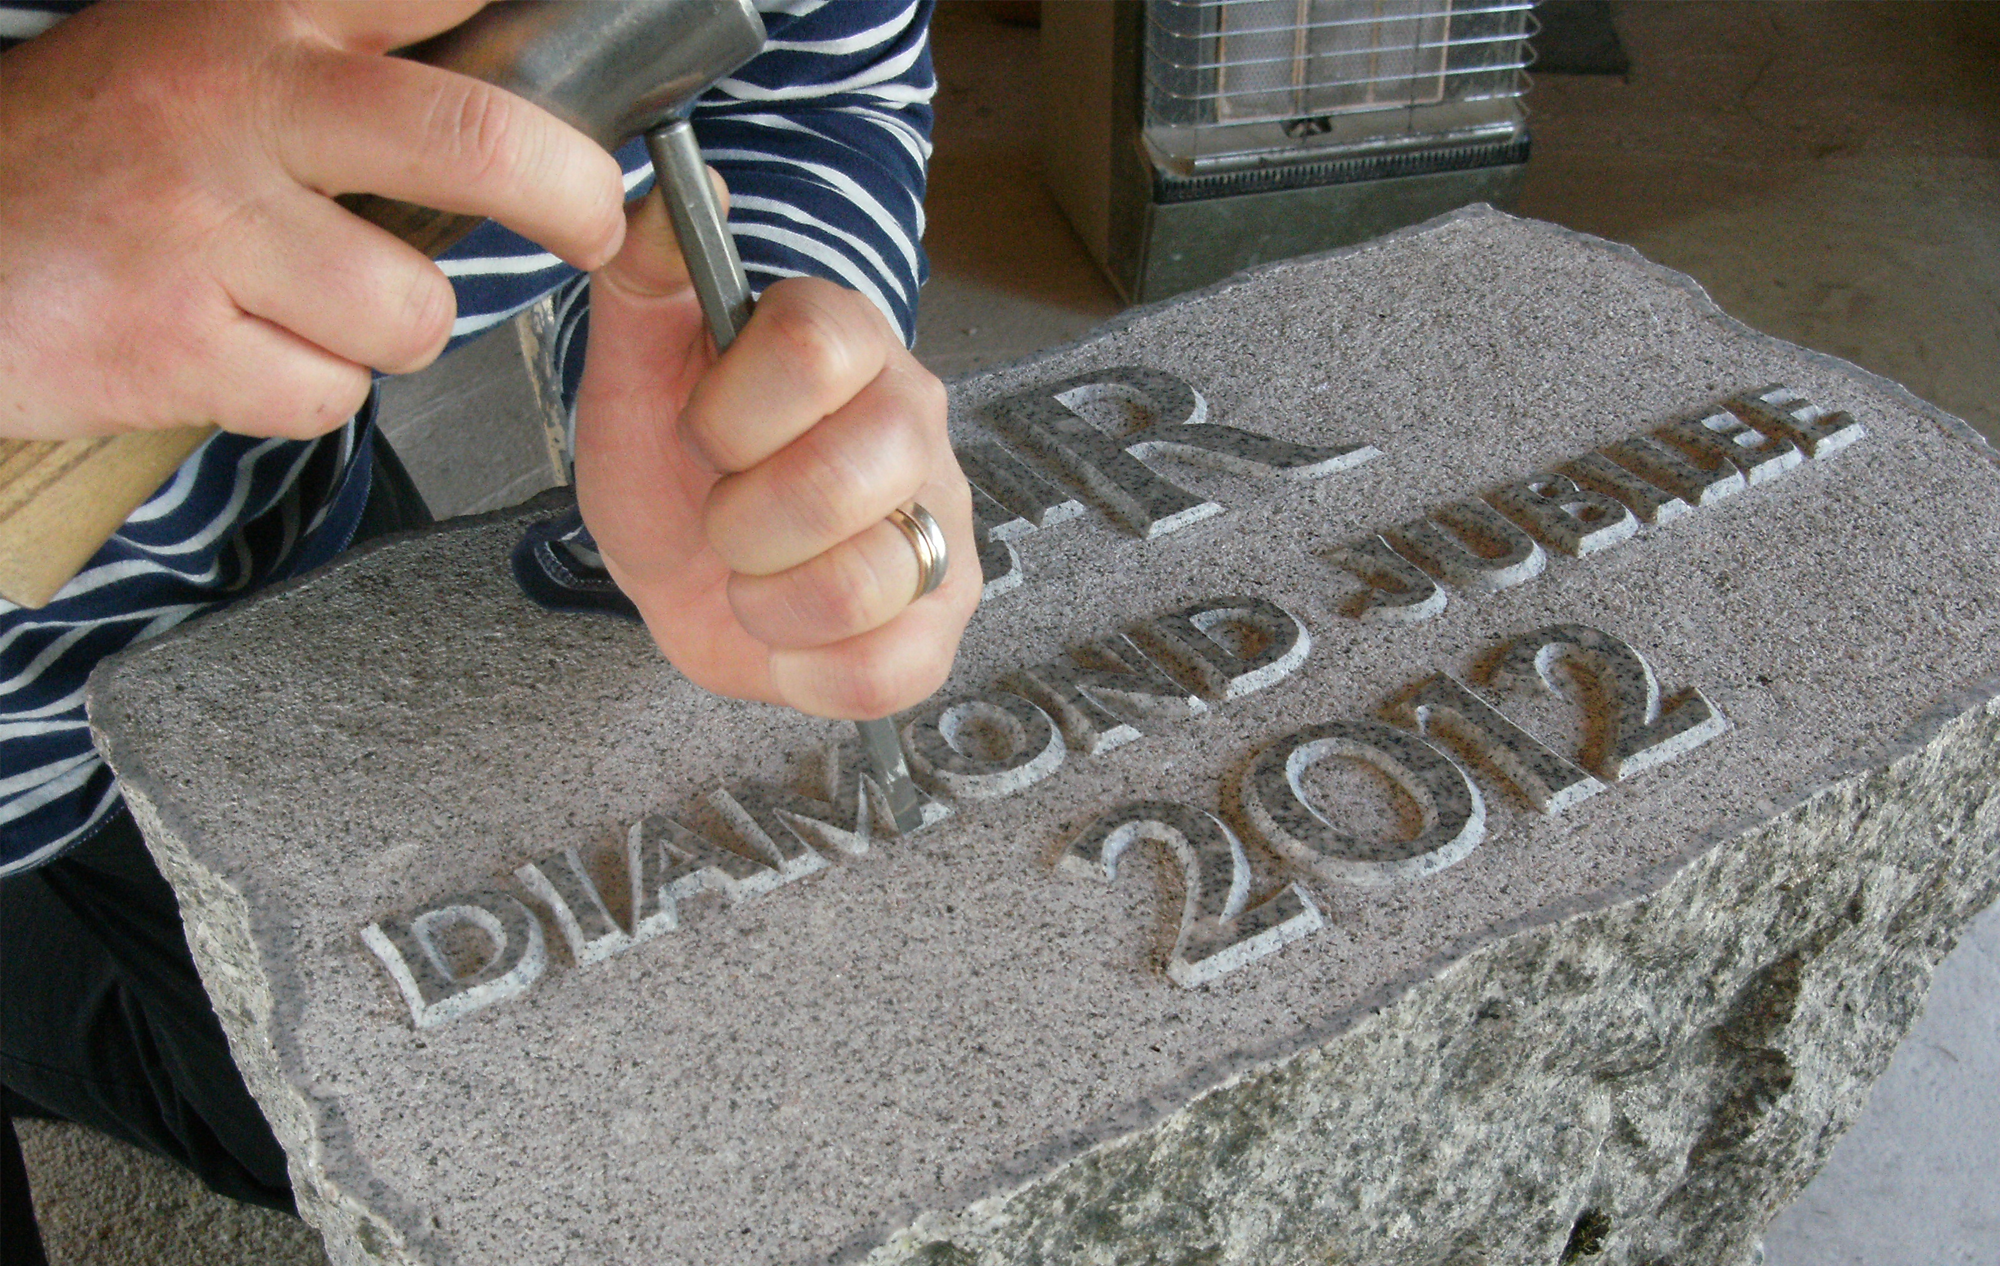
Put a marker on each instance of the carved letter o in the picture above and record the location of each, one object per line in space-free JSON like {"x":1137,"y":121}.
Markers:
{"x":981,"y":746}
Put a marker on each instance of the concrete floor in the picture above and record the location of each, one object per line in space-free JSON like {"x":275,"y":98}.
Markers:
{"x":1830,"y":172}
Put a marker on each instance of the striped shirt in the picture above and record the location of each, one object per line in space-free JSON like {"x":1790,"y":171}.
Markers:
{"x":823,"y":140}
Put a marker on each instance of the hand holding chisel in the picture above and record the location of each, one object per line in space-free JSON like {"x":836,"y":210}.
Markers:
{"x":802,"y":552}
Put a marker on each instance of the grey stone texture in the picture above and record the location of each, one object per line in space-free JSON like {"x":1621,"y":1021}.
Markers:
{"x":1625,"y":1027}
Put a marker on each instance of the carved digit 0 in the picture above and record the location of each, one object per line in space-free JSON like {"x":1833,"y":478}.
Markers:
{"x":1278,"y":808}
{"x":1217,"y":934}
{"x":1636,"y":729}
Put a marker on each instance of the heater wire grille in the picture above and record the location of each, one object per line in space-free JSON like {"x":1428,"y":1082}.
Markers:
{"x":1230,"y":82}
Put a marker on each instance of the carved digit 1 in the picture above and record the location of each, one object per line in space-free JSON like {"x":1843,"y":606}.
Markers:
{"x":1551,"y":782}
{"x":1639,"y":731}
{"x":1217,"y":934}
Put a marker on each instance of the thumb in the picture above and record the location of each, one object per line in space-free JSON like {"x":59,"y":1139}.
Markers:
{"x":645,"y":324}
{"x":650,"y":264}
{"x":648,"y":345}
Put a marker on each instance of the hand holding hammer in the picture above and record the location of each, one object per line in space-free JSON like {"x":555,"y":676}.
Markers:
{"x":173,"y":252}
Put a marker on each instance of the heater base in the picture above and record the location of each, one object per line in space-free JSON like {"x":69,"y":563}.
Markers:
{"x":1161,"y":223}
{"x":1184,"y":245}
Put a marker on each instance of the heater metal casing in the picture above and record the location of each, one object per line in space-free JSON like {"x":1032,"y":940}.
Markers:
{"x":1188,"y":139}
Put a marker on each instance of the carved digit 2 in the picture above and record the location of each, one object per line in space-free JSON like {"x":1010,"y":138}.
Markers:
{"x":1639,"y":730}
{"x":1217,"y":935}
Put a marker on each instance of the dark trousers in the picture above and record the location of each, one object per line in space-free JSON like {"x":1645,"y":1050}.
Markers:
{"x":103,"y":1020}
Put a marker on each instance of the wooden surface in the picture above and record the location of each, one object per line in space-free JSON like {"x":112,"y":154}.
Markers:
{"x":59,"y":502}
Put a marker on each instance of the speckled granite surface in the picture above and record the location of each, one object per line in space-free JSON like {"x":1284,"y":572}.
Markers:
{"x":950,"y":1031}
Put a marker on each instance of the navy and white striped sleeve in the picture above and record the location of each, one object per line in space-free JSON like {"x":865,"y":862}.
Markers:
{"x":823,"y":140}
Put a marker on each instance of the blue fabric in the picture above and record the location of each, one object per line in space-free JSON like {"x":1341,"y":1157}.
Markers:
{"x":557,"y":565}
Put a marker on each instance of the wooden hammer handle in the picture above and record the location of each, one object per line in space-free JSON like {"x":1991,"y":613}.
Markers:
{"x":60,"y":500}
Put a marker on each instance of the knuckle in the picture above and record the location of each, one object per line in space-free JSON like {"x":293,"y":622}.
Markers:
{"x":814,"y":346}
{"x":893,"y":677}
{"x":711,"y":438}
{"x":837,"y":595}
{"x":927,"y":667}
{"x":429,"y":305}
{"x":906,"y":440}
{"x":872,"y":689}
{"x":933,"y":401}
{"x":818,"y":499}
{"x":954,"y":503}
{"x":477,"y":127}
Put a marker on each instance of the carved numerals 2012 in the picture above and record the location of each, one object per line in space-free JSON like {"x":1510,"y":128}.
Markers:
{"x":1447,"y":733}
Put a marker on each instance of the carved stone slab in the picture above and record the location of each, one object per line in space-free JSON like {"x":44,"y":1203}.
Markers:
{"x":1468,"y":755}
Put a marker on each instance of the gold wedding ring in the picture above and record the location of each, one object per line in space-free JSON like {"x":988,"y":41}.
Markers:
{"x":926,"y":540}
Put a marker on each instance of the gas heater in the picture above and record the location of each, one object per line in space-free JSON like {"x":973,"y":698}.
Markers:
{"x":1186,"y":139}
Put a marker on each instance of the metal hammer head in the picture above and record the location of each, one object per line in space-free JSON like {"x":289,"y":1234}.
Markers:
{"x":612,"y":69}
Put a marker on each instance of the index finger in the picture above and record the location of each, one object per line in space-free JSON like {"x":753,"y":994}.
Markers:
{"x":358,"y":123}
{"x":809,"y":348}
{"x":376,"y":26}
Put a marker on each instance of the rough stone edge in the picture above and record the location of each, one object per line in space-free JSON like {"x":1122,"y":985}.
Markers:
{"x":392,"y":1225}
{"x":1473,"y":213}
{"x":1094,"y":1188}
{"x":361,"y":1221}
{"x":1150,"y":1111}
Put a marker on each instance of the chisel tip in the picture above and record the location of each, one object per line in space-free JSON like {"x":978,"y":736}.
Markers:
{"x":885,"y":753}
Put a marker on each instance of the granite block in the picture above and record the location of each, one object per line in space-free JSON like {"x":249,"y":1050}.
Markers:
{"x":1310,"y":878}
